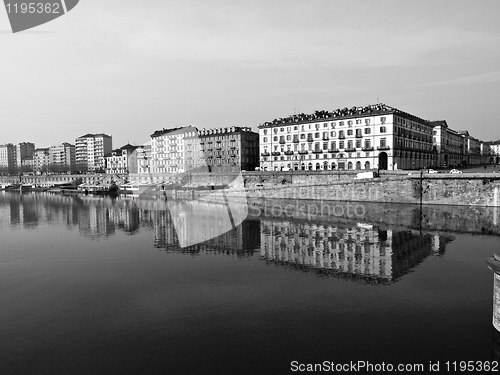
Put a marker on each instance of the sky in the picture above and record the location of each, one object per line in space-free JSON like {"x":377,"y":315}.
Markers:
{"x":128,"y":68}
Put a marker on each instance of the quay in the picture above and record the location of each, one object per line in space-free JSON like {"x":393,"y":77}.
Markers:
{"x":412,"y":187}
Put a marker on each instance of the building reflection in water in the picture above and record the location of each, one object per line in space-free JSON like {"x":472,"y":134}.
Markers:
{"x":345,"y":248}
{"x":359,"y":251}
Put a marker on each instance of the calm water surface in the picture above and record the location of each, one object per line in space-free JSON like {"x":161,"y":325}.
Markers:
{"x":100,"y":285}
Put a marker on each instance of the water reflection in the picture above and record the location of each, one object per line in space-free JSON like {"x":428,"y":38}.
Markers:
{"x":359,"y":251}
{"x":344,"y":247}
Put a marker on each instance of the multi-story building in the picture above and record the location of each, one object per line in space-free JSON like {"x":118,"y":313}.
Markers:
{"x":123,"y":160}
{"x":62,"y":158}
{"x":167,"y":150}
{"x":143,"y":158}
{"x":90,"y":151}
{"x":448,"y":143}
{"x":41,"y":160}
{"x":224,"y":149}
{"x":376,"y":136}
{"x":494,"y":147}
{"x":24,"y":151}
{"x":7,"y":158}
{"x":472,"y":148}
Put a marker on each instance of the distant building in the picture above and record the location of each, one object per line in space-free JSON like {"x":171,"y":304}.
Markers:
{"x":167,"y":150}
{"x":448,"y":143}
{"x":90,"y":150}
{"x":494,"y":148}
{"x":123,"y":160}
{"x":25,"y":151}
{"x":41,"y":160}
{"x":143,"y":158}
{"x":8,"y":160}
{"x":472,"y":148}
{"x":62,"y":158}
{"x":224,"y":149}
{"x":375,"y":136}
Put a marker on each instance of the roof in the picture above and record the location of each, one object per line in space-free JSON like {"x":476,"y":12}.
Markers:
{"x":180,"y":130}
{"x":439,"y":123}
{"x":94,"y":135}
{"x":340,"y":114}
{"x":463,"y":132}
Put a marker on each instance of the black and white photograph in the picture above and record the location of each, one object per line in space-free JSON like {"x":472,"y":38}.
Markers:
{"x":249,"y":187}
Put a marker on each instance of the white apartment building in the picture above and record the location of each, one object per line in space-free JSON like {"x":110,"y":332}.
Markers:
{"x":371,"y":137}
{"x":122,"y":160}
{"x":90,"y":150}
{"x":41,"y":159}
{"x":7,"y":158}
{"x":448,"y":143}
{"x":167,"y":150}
{"x":62,"y":158}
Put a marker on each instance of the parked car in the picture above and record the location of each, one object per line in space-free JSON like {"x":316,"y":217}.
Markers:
{"x":455,"y":171}
{"x":432,"y":171}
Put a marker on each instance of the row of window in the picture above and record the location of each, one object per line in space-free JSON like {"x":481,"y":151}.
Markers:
{"x":333,"y":145}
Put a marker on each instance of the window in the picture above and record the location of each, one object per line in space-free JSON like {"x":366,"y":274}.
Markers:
{"x":264,"y":139}
{"x":325,"y":125}
{"x":333,"y":133}
{"x":282,"y":129}
{"x":368,"y":143}
{"x":265,"y":131}
{"x":349,"y":132}
{"x":275,"y":138}
{"x":302,"y":136}
{"x":325,"y":145}
{"x":383,"y":129}
{"x":341,"y":123}
{"x":316,"y":135}
{"x":382,"y":120}
{"x":349,"y":123}
{"x":333,"y":125}
{"x":367,"y":130}
{"x":333,"y":145}
{"x":275,"y":130}
{"x":383,"y":142}
{"x":358,"y":143}
{"x":288,"y":137}
{"x":341,"y":134}
{"x":358,"y":121}
{"x":341,"y":144}
{"x":367,"y":121}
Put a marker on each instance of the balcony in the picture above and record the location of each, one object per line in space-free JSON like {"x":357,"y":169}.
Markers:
{"x":275,"y":153}
{"x":310,"y":139}
{"x":350,"y":149}
{"x":326,"y":138}
{"x":317,"y":151}
{"x":288,"y":152}
{"x":367,"y":148}
{"x":382,"y":148}
{"x":265,"y":154}
{"x":333,"y":150}
{"x":303,"y":152}
{"x":282,"y":141}
{"x":295,"y":140}
{"x":359,"y":135}
{"x":341,"y":136}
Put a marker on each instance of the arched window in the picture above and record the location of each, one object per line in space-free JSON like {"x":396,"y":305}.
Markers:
{"x":334,"y":166}
{"x":367,"y":165}
{"x":358,"y":165}
{"x":349,"y":165}
{"x":318,"y":167}
{"x":310,"y":166}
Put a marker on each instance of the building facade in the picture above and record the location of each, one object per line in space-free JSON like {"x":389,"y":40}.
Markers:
{"x":41,"y":160}
{"x":90,"y":150}
{"x":448,"y":143}
{"x":372,"y":137}
{"x":62,"y":158}
{"x":7,"y":158}
{"x":168,"y":150}
{"x":229,"y":149}
{"x":24,"y":156}
{"x":122,"y":160}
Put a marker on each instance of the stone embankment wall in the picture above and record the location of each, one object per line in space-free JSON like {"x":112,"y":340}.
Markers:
{"x":467,"y":189}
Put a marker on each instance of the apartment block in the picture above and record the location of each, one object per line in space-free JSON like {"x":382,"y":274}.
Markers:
{"x":90,"y":150}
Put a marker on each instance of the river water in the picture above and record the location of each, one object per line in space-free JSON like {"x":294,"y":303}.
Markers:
{"x":103,"y":285}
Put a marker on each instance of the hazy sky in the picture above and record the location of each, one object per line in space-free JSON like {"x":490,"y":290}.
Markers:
{"x":127,"y":67}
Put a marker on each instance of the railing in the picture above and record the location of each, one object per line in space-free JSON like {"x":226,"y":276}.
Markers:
{"x":275,"y":153}
{"x":265,"y":154}
{"x":333,"y":151}
{"x":367,"y":149}
{"x":288,"y":152}
{"x":350,"y":149}
{"x":383,"y":148}
{"x":303,"y":152}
